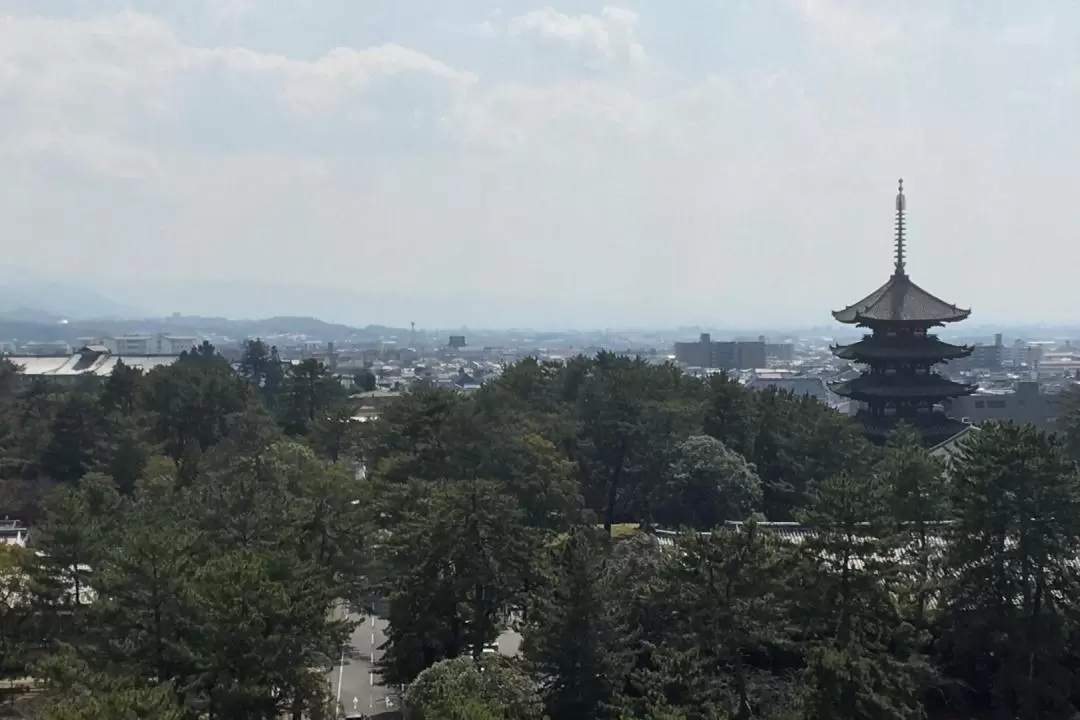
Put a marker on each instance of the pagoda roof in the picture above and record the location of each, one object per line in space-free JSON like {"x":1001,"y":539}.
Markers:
{"x":936,"y":429}
{"x":926,"y":347}
{"x":900,"y":300}
{"x":927,"y":387}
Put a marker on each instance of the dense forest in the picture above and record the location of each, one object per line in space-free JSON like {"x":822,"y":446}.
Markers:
{"x":670,"y":548}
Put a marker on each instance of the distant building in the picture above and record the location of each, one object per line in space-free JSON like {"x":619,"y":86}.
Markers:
{"x":799,"y":385}
{"x":1027,"y":405}
{"x":784,"y":352}
{"x":456,"y":342}
{"x":89,"y":361}
{"x":159,"y":344}
{"x":983,"y":357}
{"x":729,"y":355}
{"x":900,"y":384}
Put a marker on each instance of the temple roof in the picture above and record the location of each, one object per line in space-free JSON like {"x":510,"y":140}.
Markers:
{"x":900,"y":300}
{"x":927,"y":387}
{"x":925,"y":347}
{"x":936,"y":428}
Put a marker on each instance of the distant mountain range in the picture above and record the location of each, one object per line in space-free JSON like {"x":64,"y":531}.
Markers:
{"x":48,"y":302}
{"x":15,"y":326}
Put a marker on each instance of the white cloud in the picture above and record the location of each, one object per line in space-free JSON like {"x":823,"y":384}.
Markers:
{"x":422,"y":159}
{"x":612,"y":35}
{"x":102,"y":64}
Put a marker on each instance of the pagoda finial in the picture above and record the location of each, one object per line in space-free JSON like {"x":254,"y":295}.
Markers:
{"x":901,"y":205}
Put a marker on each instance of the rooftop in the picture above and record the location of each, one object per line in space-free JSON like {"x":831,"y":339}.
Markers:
{"x":900,"y":299}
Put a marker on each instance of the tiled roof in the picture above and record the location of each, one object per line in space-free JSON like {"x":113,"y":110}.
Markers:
{"x":911,"y":348}
{"x":930,"y":386}
{"x":900,"y":300}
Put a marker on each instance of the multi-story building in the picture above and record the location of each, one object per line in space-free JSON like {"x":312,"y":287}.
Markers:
{"x":1026,"y":405}
{"x":982,"y":357}
{"x":723,"y":355}
{"x":146,"y":345}
{"x":783,"y":352}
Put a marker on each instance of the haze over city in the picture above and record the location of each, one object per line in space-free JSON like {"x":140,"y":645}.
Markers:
{"x":514,"y":163}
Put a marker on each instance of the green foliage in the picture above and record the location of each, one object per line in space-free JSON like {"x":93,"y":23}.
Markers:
{"x":862,"y":659}
{"x":459,"y":563}
{"x":724,"y":593}
{"x":468,"y":688}
{"x":190,"y":561}
{"x":572,"y":636}
{"x":706,"y":485}
{"x":1012,"y":560}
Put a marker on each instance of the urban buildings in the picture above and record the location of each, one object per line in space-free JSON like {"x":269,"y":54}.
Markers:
{"x":899,"y":382}
{"x":724,"y":355}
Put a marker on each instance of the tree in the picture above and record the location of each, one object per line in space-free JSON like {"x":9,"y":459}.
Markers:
{"x":457,"y":565}
{"x":74,"y":437}
{"x":365,"y":380}
{"x":706,"y":485}
{"x":311,"y":390}
{"x":263,"y":369}
{"x":17,"y":616}
{"x":120,"y":391}
{"x":729,"y":413}
{"x":917,"y":496}
{"x":572,"y":638}
{"x":468,"y":688}
{"x":862,"y":661}
{"x":1010,"y":602}
{"x":222,"y":583}
{"x":631,"y":415}
{"x":77,"y":691}
{"x":723,"y":593}
{"x":190,"y":404}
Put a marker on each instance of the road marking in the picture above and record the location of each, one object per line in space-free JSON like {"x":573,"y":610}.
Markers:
{"x":340,"y":676}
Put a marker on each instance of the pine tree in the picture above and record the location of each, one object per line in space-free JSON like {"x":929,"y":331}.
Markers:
{"x":861,"y":663}
{"x":917,"y":497}
{"x":456,"y":566}
{"x":723,"y":595}
{"x":1013,"y":582}
{"x":572,"y":637}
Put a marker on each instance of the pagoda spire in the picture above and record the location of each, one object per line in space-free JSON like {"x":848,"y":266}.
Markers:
{"x":901,"y":206}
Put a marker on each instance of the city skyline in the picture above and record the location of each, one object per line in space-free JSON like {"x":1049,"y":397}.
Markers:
{"x":562,"y":165}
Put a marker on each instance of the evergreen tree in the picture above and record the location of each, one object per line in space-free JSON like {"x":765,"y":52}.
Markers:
{"x":1011,"y":600}
{"x":917,"y":498}
{"x":456,"y":567}
{"x":572,"y":636}
{"x":861,"y":659}
{"x":723,"y":595}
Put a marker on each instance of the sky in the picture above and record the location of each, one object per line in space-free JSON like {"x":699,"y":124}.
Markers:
{"x":515,"y":163}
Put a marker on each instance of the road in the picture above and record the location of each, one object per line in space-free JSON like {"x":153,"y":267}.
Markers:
{"x":355,"y":683}
{"x":354,"y":678}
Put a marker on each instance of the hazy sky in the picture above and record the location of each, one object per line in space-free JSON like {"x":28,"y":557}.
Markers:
{"x":652,"y":162}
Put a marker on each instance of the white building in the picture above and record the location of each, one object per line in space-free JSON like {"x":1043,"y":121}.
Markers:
{"x":147,"y":345}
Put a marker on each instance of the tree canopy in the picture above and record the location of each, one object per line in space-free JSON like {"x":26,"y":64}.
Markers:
{"x":663,"y":546}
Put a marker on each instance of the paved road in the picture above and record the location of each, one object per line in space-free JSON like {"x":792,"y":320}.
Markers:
{"x":355,"y":678}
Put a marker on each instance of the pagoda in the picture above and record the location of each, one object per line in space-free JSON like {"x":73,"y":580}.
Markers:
{"x":899,"y":383}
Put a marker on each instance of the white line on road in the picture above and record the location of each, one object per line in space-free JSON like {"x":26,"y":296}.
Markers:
{"x":340,"y":676}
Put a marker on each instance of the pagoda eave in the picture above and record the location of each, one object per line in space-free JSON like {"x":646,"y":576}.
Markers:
{"x":868,"y":391}
{"x":934,"y":429}
{"x":866,"y":352}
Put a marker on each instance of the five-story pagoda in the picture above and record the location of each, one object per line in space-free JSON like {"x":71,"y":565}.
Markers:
{"x":899,"y":383}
